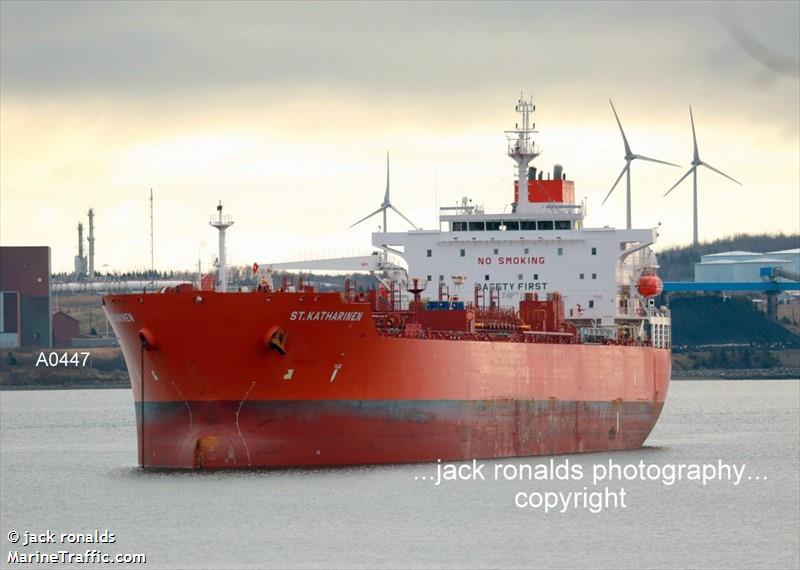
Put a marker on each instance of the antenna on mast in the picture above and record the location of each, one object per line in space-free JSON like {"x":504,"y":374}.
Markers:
{"x":522,"y":149}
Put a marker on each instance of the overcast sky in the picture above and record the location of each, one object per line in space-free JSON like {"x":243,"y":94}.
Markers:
{"x":285,"y":112}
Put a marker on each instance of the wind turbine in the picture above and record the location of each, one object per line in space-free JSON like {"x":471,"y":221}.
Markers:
{"x":629,"y":157}
{"x":386,"y":205}
{"x":693,"y":170}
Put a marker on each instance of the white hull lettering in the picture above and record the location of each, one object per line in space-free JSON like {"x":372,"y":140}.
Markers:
{"x":515,"y":260}
{"x":326,"y":315}
{"x":520,"y":286}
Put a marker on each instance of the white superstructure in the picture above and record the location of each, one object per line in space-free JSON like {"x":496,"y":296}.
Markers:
{"x":540,"y":247}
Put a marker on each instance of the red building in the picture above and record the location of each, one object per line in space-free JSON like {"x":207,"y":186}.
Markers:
{"x":25,"y":319}
{"x":65,"y":328}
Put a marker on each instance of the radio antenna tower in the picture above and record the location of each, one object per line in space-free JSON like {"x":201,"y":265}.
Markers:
{"x":152,"y":257}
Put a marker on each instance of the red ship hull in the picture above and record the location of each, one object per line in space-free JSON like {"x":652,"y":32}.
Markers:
{"x":210,"y":392}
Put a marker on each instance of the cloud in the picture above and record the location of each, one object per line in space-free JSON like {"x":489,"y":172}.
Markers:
{"x":150,"y":48}
{"x":286,"y":111}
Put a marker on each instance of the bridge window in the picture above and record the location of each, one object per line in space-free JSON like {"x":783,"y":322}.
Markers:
{"x":527,"y":251}
{"x":527,"y":225}
{"x":493,"y":226}
{"x":463,"y":252}
{"x":594,"y":251}
{"x":535,"y":276}
{"x":560,"y":251}
{"x":546,"y":225}
{"x":496,"y":251}
{"x":430,"y":277}
{"x":581,"y":275}
{"x":485,"y":277}
{"x":459,"y":226}
{"x":476,"y":226}
{"x":594,"y":275}
{"x":519,"y":277}
{"x":563,"y":224}
{"x":430,"y":253}
{"x":591,"y":304}
{"x":441,"y":277}
{"x":511,"y":225}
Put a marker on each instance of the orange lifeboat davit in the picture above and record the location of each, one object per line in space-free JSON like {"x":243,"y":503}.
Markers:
{"x":650,"y":285}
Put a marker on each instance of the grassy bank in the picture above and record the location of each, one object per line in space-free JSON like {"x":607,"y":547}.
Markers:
{"x":25,"y":370}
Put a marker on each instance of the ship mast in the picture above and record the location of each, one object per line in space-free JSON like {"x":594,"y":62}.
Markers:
{"x":522,"y":149}
{"x":222,"y":223}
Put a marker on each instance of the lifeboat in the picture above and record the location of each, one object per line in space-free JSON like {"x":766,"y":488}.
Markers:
{"x":650,"y":285}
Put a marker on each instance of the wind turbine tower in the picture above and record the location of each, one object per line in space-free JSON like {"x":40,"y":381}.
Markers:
{"x":693,"y":171}
{"x":386,"y":205}
{"x":629,"y":157}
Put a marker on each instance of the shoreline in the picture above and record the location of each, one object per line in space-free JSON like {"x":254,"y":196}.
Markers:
{"x":680,"y":376}
{"x":778,"y":373}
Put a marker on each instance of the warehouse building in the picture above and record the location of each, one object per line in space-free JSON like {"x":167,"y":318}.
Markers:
{"x":745,"y":266}
{"x":25,"y":316}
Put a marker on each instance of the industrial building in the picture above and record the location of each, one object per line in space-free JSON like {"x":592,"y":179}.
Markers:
{"x":745,"y":266}
{"x":25,"y":316}
{"x":65,"y":328}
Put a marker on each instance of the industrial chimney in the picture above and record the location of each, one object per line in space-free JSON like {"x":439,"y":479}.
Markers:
{"x":91,"y":243}
{"x":80,"y":260}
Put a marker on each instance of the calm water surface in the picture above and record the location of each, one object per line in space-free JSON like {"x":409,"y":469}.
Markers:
{"x":67,"y":463}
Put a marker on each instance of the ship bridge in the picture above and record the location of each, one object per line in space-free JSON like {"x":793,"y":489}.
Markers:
{"x":537,"y":246}
{"x":589,"y":267}
{"x":541,"y":246}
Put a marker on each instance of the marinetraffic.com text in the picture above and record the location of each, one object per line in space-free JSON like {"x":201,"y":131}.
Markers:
{"x":602,"y":481}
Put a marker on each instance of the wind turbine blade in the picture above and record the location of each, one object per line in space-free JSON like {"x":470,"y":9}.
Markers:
{"x":616,"y":182}
{"x":399,"y":213}
{"x":688,"y":172}
{"x":720,"y":172}
{"x":386,"y":195}
{"x":654,"y":160}
{"x":378,"y":211}
{"x":624,"y":139}
{"x":694,"y":136}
